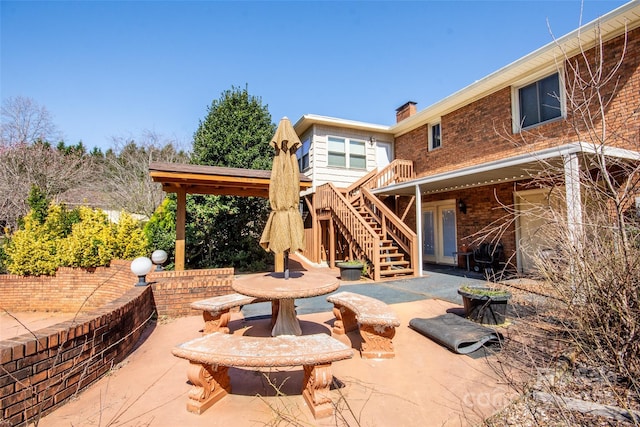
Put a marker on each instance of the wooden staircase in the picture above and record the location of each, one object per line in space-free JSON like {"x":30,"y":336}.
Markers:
{"x":391,"y":259}
{"x":373,"y":232}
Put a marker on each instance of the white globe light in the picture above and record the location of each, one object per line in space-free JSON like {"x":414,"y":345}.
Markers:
{"x":141,"y":266}
{"x":159,"y":257}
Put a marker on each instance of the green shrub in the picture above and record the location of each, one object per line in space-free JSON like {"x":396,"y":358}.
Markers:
{"x":83,"y":237}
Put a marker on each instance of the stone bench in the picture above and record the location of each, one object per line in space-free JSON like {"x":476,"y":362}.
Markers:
{"x":211,"y":356}
{"x":216,"y":311}
{"x":375,"y":319}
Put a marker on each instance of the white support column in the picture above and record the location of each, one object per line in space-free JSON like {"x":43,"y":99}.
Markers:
{"x":419,"y":226}
{"x":573,"y":197}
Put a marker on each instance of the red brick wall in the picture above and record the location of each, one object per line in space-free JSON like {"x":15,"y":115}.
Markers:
{"x":482,"y":130}
{"x":40,"y":373}
{"x":173,"y":291}
{"x":70,"y":290}
{"x":482,"y":214}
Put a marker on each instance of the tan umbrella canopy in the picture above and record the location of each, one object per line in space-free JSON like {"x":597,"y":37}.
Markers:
{"x":284,"y":231}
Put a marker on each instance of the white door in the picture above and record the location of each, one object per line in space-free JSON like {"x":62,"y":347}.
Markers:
{"x":439,"y":232}
{"x":534,"y":213}
{"x":383,"y":154}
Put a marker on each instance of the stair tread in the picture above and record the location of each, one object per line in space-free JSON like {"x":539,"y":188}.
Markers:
{"x":393,"y":263}
{"x":402,"y":271}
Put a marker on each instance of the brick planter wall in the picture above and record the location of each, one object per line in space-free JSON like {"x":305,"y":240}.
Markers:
{"x":40,"y":371}
{"x":173,"y":291}
{"x":69,"y":291}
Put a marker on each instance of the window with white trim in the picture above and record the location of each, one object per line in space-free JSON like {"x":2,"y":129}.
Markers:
{"x":303,"y":155}
{"x":346,"y":153}
{"x":357,"y":154}
{"x":435,"y":136}
{"x":539,"y":102}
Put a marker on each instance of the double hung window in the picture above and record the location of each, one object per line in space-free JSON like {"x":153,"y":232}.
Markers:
{"x":346,"y":153}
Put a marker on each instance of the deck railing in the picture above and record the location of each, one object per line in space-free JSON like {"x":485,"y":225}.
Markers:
{"x":391,"y":225}
{"x":395,"y":172}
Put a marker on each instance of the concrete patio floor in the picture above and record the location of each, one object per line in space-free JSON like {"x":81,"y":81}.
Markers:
{"x":424,"y":385}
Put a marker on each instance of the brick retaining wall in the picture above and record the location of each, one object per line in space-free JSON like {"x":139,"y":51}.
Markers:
{"x":40,"y":371}
{"x":173,"y":291}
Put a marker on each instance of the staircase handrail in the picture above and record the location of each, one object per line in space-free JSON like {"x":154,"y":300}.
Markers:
{"x":395,"y":172}
{"x":368,"y":241}
{"x":401,"y":233}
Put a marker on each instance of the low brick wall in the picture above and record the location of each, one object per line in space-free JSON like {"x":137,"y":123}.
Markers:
{"x":173,"y":291}
{"x":40,"y":371}
{"x":71,"y":290}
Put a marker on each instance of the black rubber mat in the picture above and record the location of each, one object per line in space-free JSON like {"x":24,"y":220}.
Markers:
{"x":456,"y":333}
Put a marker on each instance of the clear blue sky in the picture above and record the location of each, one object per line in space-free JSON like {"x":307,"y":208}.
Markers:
{"x":116,"y":68}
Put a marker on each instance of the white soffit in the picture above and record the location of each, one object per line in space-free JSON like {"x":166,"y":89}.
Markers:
{"x":515,"y":168}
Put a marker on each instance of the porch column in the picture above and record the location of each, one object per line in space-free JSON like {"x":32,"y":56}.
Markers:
{"x":181,"y":220}
{"x":419,"y":227}
{"x":572,"y":193}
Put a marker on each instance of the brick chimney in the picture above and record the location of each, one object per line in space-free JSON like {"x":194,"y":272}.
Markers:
{"x":407,"y":109}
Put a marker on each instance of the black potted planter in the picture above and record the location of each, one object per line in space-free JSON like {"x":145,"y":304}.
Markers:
{"x":485,"y":305}
{"x":350,"y":270}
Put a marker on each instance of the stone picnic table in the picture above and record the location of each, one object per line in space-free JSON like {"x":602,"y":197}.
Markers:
{"x":274,"y":287}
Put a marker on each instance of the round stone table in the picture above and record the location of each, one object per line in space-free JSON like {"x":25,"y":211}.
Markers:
{"x":274,"y":286}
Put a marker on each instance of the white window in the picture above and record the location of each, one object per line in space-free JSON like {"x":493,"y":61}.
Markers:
{"x":303,"y":155}
{"x":435,"y":137}
{"x":538,"y":102}
{"x":357,"y":155}
{"x":346,"y":153}
{"x":337,"y":152}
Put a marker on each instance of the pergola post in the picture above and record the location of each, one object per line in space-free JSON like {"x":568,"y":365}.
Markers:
{"x":181,"y":221}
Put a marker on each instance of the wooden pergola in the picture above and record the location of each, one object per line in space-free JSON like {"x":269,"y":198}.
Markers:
{"x":184,"y":179}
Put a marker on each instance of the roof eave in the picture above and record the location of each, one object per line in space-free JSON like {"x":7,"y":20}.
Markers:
{"x":308,"y":120}
{"x":613,"y":24}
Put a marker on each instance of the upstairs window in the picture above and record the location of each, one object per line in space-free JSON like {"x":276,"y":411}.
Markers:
{"x":540,"y":101}
{"x":357,"y":155}
{"x":337,"y":152}
{"x":346,"y":153}
{"x":435,"y":138}
{"x":303,"y":155}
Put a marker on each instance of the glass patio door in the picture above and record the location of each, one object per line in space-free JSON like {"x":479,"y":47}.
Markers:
{"x":439,"y":232}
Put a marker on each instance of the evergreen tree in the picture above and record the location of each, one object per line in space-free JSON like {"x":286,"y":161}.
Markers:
{"x":224,"y":230}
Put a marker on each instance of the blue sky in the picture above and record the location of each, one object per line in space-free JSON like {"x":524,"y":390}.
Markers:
{"x":118,"y":68}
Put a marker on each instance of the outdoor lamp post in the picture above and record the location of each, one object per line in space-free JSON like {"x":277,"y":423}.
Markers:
{"x":141,"y":266}
{"x":159,"y":257}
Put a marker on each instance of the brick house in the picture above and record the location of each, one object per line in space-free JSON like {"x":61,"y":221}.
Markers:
{"x":453,"y":169}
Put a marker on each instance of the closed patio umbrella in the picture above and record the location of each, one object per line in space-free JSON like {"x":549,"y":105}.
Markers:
{"x":284,"y":231}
